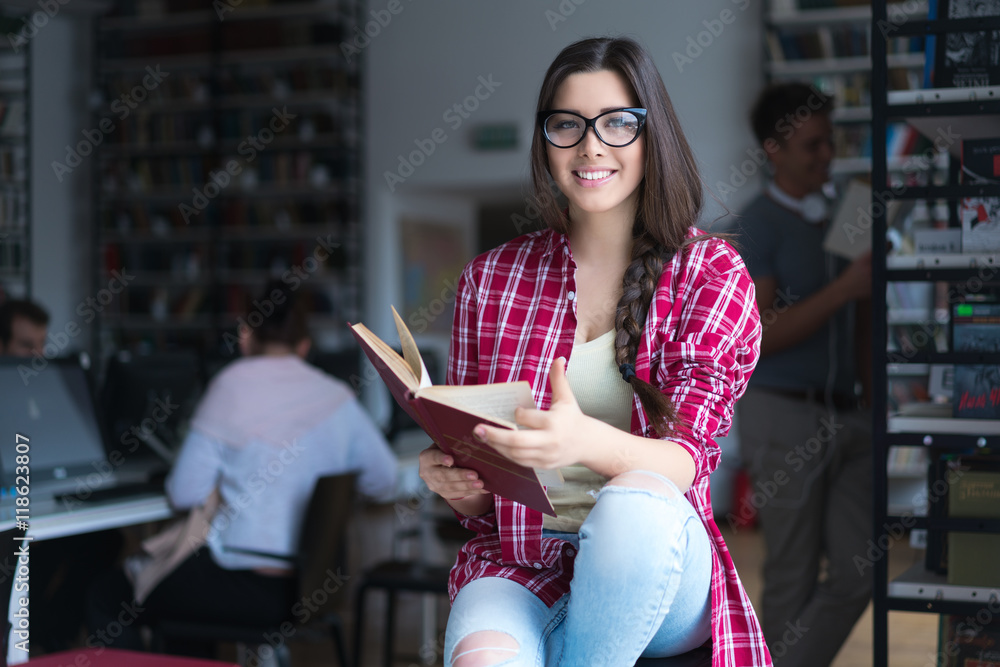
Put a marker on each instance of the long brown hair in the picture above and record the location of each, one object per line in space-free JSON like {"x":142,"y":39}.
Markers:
{"x":670,"y":194}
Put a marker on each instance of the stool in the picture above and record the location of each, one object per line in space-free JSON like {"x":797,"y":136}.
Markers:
{"x":416,"y":577}
{"x":395,"y":576}
{"x":699,"y":657}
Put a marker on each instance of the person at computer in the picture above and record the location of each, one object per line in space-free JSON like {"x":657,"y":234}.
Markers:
{"x":65,"y":565}
{"x":23,"y":327}
{"x":805,"y":434}
{"x":268,"y":426}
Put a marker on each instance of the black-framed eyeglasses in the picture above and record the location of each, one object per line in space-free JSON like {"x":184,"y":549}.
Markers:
{"x":616,"y":128}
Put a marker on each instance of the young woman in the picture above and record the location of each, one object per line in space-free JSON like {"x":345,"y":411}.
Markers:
{"x":637,"y":334}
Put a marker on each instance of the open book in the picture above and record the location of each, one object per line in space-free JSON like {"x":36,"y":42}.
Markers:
{"x":449,"y":414}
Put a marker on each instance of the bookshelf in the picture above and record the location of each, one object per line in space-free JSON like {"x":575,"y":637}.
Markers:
{"x":15,"y":230}
{"x":922,"y":277}
{"x":829,"y":46}
{"x":230,"y":155}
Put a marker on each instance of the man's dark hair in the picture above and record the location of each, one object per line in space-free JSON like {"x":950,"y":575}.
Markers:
{"x":12,"y":308}
{"x":782,"y":107}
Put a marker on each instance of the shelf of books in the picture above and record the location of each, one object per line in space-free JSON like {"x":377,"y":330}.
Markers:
{"x":230,"y":156}
{"x":15,"y":230}
{"x":828,"y":44}
{"x":936,"y":251}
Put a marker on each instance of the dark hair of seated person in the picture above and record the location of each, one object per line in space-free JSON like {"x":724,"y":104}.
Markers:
{"x":287,"y":324}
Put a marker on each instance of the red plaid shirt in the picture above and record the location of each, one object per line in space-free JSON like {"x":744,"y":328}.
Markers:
{"x":515,"y":314}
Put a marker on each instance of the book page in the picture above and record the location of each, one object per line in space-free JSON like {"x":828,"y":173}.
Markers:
{"x":396,"y":365}
{"x":850,"y":232}
{"x":410,"y":352}
{"x":493,"y":402}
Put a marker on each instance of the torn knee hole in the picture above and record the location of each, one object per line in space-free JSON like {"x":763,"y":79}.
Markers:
{"x":638,"y":480}
{"x":483,"y":648}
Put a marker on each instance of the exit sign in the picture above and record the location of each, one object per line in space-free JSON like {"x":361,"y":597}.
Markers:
{"x":497,"y":137}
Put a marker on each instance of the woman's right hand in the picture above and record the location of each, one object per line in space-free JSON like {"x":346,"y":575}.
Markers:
{"x":461,"y":487}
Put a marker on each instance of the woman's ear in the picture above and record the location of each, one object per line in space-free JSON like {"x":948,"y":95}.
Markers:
{"x":302,"y":348}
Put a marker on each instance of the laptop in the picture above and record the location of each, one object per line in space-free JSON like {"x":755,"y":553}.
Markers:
{"x":51,"y":409}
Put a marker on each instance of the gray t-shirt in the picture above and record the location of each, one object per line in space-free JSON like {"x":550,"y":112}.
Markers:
{"x":777,"y":243}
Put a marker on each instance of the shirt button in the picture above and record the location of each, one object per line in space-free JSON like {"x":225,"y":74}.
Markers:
{"x":538,"y":566}
{"x":572,"y":295}
{"x":570,"y":552}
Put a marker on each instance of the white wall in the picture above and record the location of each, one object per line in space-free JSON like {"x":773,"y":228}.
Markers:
{"x":61,"y":275}
{"x":429,"y":57}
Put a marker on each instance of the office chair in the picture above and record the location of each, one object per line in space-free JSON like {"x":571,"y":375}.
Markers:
{"x":322,"y":549}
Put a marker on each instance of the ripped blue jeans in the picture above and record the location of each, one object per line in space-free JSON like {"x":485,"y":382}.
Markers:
{"x":641,"y":588}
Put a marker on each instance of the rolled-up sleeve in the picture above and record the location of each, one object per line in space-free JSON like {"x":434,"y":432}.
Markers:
{"x":463,"y":367}
{"x":463,"y":357}
{"x":706,"y":362}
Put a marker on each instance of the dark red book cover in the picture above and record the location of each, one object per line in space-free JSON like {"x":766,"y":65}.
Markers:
{"x":499,"y":474}
{"x":451,"y":429}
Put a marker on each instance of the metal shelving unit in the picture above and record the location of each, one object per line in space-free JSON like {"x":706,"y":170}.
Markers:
{"x":920,"y":590}
{"x":15,"y":161}
{"x":240,"y":166}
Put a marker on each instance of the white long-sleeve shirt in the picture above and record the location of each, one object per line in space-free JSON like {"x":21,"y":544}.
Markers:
{"x":266,"y":488}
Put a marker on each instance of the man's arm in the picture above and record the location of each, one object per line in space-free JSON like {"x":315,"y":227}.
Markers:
{"x":788,"y":324}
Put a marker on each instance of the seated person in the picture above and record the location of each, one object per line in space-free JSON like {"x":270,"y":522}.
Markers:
{"x":65,"y":565}
{"x":268,"y":426}
{"x":23,"y":326}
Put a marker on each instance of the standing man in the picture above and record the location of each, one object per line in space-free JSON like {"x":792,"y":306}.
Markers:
{"x":804,"y":432}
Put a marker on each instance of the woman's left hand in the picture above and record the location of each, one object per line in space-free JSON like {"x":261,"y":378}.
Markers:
{"x":555,"y":437}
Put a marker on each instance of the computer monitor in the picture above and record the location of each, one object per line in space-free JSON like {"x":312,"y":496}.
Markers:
{"x":147,"y":401}
{"x":51,"y":409}
{"x":345,"y":365}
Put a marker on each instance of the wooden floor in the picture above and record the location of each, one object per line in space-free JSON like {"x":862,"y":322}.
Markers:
{"x":913,"y":637}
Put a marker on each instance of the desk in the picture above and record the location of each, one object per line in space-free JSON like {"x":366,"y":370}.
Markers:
{"x":50,"y":519}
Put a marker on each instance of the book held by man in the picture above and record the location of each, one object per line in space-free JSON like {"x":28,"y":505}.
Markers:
{"x":450,"y":413}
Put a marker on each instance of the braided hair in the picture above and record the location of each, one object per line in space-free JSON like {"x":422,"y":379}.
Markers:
{"x":670,"y":196}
